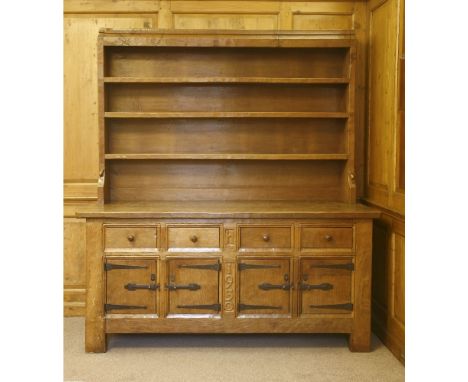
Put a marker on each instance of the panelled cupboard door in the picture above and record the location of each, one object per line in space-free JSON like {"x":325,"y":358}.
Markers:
{"x":193,"y":286}
{"x":326,"y":285}
{"x":131,"y":286}
{"x":264,"y":286}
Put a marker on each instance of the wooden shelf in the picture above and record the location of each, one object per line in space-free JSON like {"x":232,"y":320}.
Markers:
{"x":231,"y":156}
{"x":229,"y":209}
{"x":248,"y":114}
{"x":240,"y":80}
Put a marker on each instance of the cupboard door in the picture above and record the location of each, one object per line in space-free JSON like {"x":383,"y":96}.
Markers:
{"x":131,"y":286}
{"x":193,"y":286}
{"x":326,"y":285}
{"x":264,"y":286}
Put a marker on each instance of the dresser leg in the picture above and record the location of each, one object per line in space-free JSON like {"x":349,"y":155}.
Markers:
{"x":360,"y":341}
{"x":95,"y":330}
{"x":95,"y":336}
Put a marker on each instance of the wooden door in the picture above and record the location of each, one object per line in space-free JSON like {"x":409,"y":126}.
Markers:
{"x":131,"y":286}
{"x":193,"y":286}
{"x":326,"y":285}
{"x":264,"y":286}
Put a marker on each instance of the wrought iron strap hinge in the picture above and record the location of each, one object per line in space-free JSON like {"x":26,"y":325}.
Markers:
{"x":216,"y":307}
{"x":347,"y":266}
{"x":191,"y":286}
{"x":255,"y":307}
{"x":132,"y":287}
{"x":244,"y":266}
{"x":348,"y":306}
{"x":214,"y":267}
{"x":110,"y":266}
{"x":108,"y":307}
{"x":268,"y":286}
{"x":323,"y":286}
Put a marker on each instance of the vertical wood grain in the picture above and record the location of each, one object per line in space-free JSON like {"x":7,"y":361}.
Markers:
{"x":81,"y":155}
{"x":388,"y":288}
{"x":95,"y":336}
{"x":74,"y":266}
{"x":385,"y":143}
{"x":360,"y":339}
{"x":385,"y":168}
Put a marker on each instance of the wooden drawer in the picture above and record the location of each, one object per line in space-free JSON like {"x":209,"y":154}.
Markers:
{"x":129,"y":237}
{"x":326,"y":237}
{"x":190,"y":238}
{"x":265,"y":238}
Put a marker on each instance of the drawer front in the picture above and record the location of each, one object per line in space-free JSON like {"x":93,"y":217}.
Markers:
{"x":326,"y":285}
{"x":130,"y":237}
{"x":265,"y":238}
{"x":189,"y":238}
{"x":326,"y":237}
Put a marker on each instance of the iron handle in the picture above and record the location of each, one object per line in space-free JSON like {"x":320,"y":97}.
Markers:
{"x":133,"y":287}
{"x":266,"y":237}
{"x":268,"y":286}
{"x":191,"y":286}
{"x":194,"y":238}
{"x":328,"y":238}
{"x":131,"y":237}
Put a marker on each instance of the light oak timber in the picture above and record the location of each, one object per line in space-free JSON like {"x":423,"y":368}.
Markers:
{"x":231,"y":209}
{"x":360,"y":338}
{"x":240,"y":210}
{"x":388,"y":294}
{"x":312,"y":10}
{"x":231,"y":156}
{"x":237,"y":114}
{"x":240,"y":136}
{"x":74,"y":264}
{"x":95,"y":338}
{"x":109,"y":6}
{"x":240,"y":80}
{"x":384,"y":182}
{"x":224,"y":325}
{"x":226,"y":98}
{"x":219,"y":63}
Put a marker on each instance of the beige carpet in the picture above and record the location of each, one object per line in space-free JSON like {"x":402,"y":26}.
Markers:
{"x":244,"y":358}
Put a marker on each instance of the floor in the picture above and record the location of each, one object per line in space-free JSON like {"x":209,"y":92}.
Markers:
{"x":226,"y":358}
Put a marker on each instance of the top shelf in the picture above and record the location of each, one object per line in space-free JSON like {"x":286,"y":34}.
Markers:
{"x":240,"y":80}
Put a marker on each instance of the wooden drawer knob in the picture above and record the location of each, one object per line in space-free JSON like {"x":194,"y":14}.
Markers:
{"x":328,"y":238}
{"x":266,"y":237}
{"x":130,"y":237}
{"x":193,"y":238}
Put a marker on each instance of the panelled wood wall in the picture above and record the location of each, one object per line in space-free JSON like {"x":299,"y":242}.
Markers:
{"x":84,"y":18}
{"x":385,"y":175}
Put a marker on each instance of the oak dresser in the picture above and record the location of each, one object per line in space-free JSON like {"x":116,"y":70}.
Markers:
{"x":227,"y":198}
